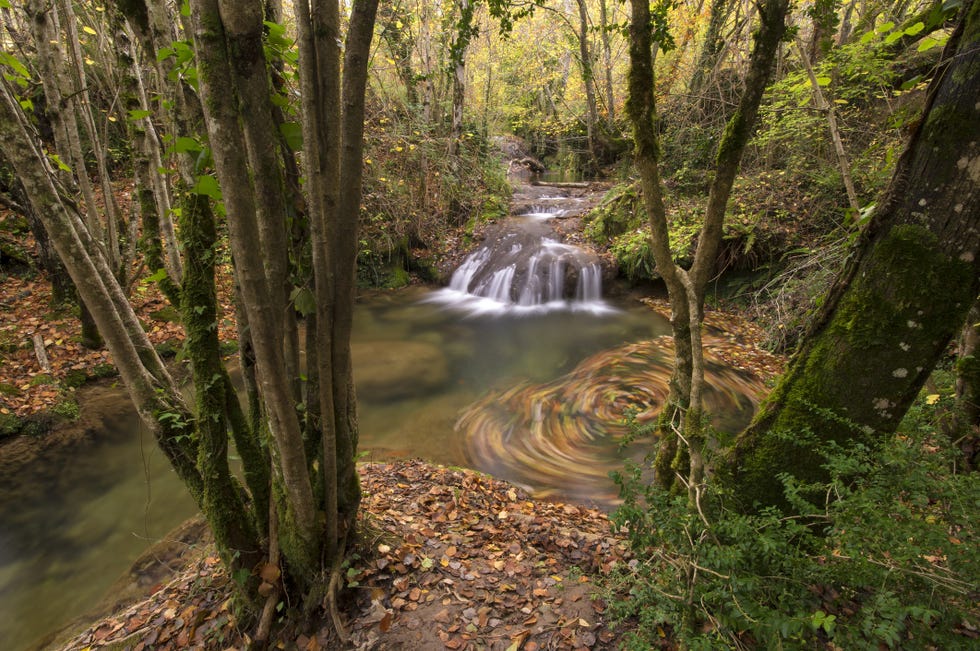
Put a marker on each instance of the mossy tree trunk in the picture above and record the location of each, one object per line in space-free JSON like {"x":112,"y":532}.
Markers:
{"x":588,"y":81}
{"x":683,"y":415}
{"x":893,"y":311}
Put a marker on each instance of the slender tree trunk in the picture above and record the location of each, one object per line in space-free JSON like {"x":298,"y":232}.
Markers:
{"x":686,"y":288}
{"x":893,"y":311}
{"x":588,"y":80}
{"x":459,"y":81}
{"x":82,"y":102}
{"x":827,"y":108}
{"x":344,"y":241}
{"x":966,"y":425}
{"x":150,"y":386}
{"x":607,"y":58}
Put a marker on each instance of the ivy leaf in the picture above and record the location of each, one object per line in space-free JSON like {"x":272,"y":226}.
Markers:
{"x":158,"y":276}
{"x":293,"y":133}
{"x":60,"y":163}
{"x":138,"y":114}
{"x":929,"y":42}
{"x":915,"y":29}
{"x":304,"y":301}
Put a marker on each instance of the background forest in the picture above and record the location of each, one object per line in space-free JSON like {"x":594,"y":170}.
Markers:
{"x":196,"y":179}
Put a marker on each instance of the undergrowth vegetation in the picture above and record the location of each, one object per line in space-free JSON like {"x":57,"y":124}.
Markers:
{"x":884,"y":555}
{"x":414,"y":194}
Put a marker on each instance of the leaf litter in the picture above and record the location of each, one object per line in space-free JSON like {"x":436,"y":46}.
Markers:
{"x":447,"y":558}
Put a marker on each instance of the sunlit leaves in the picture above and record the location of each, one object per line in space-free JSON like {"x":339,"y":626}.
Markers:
{"x":208,"y":186}
{"x":17,"y":72}
{"x":139,"y":114}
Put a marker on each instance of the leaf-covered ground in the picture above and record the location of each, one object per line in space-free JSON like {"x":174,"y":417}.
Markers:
{"x":446,"y":559}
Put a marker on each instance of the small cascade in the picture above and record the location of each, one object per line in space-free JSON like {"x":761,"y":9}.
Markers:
{"x":524,"y":270}
{"x":545,"y":212}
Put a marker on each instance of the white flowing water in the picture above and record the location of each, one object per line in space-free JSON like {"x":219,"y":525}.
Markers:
{"x":523,"y":269}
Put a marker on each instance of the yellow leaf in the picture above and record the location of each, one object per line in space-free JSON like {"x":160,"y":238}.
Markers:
{"x":88,"y":30}
{"x":398,"y":24}
{"x":932,"y":398}
{"x":89,"y":62}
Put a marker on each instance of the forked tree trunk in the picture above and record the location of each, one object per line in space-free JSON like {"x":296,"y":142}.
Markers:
{"x":222,"y":35}
{"x":894,"y":310}
{"x":683,"y":413}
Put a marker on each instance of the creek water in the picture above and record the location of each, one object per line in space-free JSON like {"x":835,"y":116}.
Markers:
{"x":519,"y":369}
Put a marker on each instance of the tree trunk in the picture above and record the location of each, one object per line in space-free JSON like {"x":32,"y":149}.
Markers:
{"x":683,"y":412}
{"x":827,"y":108}
{"x":459,"y":74}
{"x":966,"y":422}
{"x":217,"y":34}
{"x":893,"y":311}
{"x":711,"y":47}
{"x":588,"y":80}
{"x":608,"y":60}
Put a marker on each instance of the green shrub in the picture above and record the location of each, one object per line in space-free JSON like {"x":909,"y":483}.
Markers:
{"x":889,"y":560}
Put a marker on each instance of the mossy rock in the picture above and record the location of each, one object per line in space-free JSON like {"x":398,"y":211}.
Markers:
{"x":74,"y":379}
{"x":40,"y":424}
{"x":393,"y":370}
{"x":10,"y":425}
{"x":619,"y":212}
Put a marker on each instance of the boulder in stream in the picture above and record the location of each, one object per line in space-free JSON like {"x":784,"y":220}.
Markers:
{"x":395,"y":370}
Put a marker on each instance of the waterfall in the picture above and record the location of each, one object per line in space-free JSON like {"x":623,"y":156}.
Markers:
{"x":523,"y":271}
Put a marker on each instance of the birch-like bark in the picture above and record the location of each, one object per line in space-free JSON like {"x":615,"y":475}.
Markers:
{"x":150,"y":387}
{"x":82,"y":102}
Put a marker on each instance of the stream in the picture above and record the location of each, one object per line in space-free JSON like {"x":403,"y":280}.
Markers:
{"x":519,"y":368}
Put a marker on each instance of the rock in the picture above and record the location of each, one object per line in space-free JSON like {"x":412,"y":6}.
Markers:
{"x":394,"y":370}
